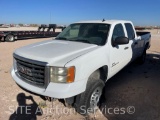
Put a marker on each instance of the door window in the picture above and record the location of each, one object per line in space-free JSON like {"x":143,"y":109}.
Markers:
{"x":117,"y":32}
{"x":130,"y":31}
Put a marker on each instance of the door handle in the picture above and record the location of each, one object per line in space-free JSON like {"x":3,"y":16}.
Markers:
{"x":126,"y":48}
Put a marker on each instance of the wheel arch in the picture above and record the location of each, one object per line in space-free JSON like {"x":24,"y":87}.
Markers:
{"x":103,"y":72}
{"x":146,"y":46}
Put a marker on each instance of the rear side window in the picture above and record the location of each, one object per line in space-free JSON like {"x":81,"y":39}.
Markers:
{"x":130,"y":31}
{"x":118,"y":32}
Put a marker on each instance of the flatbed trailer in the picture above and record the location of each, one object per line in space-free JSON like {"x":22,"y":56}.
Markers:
{"x":11,"y":36}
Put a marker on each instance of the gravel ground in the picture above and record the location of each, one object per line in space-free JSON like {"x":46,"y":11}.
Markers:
{"x":136,"y":85}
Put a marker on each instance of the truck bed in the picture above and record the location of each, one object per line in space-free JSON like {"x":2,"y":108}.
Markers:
{"x":145,"y":37}
{"x":142,"y":33}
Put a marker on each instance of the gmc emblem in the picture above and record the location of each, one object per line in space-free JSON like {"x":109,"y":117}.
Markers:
{"x":24,"y":70}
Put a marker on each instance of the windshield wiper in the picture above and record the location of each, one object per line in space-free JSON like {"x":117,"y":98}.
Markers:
{"x":80,"y":40}
{"x":61,"y":38}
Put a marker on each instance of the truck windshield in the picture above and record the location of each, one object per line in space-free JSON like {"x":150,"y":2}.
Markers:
{"x":91,"y":33}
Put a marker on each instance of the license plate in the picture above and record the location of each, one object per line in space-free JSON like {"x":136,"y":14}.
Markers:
{"x":24,"y":70}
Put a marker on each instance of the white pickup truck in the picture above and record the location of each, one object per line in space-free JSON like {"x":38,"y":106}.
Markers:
{"x":76,"y":64}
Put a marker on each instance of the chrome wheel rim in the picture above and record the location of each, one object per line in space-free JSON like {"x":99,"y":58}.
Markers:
{"x":10,"y":38}
{"x":95,"y":97}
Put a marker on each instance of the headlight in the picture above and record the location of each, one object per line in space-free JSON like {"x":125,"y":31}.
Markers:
{"x":62,"y":74}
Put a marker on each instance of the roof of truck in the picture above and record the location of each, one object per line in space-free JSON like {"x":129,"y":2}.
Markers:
{"x":105,"y":21}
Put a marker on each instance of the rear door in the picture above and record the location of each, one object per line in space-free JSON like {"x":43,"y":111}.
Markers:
{"x":120,"y":55}
{"x":135,"y":42}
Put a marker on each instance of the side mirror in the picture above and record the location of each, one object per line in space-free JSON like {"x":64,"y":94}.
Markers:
{"x":121,"y":41}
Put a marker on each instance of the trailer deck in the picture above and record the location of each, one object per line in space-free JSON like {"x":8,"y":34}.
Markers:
{"x":43,"y":31}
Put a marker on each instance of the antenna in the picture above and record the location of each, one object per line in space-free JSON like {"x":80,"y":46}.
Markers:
{"x":50,"y":17}
{"x":103,"y":20}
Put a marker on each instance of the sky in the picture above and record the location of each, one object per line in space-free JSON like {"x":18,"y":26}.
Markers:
{"x":140,"y":12}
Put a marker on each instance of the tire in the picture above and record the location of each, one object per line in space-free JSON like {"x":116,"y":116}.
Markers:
{"x":9,"y":38}
{"x":0,"y":39}
{"x":88,"y":101}
{"x":142,"y":59}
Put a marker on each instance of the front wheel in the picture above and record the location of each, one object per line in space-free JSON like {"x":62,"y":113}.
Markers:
{"x":88,"y":101}
{"x":9,"y":38}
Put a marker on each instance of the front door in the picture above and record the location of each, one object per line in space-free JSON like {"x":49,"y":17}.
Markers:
{"x":120,"y":55}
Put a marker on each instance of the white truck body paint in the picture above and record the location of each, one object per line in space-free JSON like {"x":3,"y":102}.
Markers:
{"x":86,"y":58}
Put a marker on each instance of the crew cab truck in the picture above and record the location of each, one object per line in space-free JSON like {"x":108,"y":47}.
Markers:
{"x":43,"y":31}
{"x":76,"y":64}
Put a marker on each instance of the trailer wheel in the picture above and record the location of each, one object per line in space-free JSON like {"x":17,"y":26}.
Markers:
{"x":9,"y":38}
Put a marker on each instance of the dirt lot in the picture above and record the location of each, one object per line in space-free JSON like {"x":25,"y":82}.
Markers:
{"x":134,"y":90}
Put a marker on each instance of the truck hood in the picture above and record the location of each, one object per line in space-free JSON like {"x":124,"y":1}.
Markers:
{"x":55,"y":52}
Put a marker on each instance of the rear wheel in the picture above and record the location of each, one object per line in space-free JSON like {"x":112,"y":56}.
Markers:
{"x":9,"y":38}
{"x":142,"y":59}
{"x":88,"y":101}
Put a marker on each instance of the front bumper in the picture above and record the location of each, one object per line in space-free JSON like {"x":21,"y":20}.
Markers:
{"x":54,"y":90}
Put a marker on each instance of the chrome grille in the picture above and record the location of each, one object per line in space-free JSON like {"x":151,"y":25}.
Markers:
{"x":31,"y":72}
